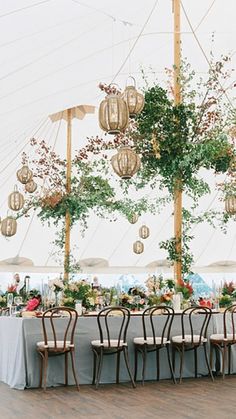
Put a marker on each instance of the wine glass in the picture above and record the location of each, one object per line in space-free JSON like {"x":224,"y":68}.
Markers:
{"x":18,"y":302}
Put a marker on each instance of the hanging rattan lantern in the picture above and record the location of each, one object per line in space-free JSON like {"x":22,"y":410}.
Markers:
{"x":232,"y":166}
{"x":24,"y":174}
{"x":230,"y":205}
{"x":138,"y":247}
{"x":126,"y":163}
{"x":134,"y":99}
{"x":144,"y":232}
{"x":16,"y":200}
{"x":133,"y":218}
{"x":113,"y":114}
{"x":8,"y":226}
{"x":31,"y":186}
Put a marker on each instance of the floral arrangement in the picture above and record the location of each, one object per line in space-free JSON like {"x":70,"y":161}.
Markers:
{"x":186,"y":288}
{"x":159,"y":291}
{"x":12,"y":288}
{"x":132,"y":301}
{"x":3,"y":301}
{"x":79,"y":290}
{"x":56,"y":284}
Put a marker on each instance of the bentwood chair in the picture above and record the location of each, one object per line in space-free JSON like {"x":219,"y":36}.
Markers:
{"x":112,"y":323}
{"x":156,"y":321}
{"x":196,"y":321}
{"x":222,"y":342}
{"x":57,"y":341}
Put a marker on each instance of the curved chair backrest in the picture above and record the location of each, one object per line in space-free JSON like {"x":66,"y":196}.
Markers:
{"x":53,"y":331}
{"x":107,"y":331}
{"x":4,"y":311}
{"x":229,"y":321}
{"x":203,"y":314}
{"x":151,"y":321}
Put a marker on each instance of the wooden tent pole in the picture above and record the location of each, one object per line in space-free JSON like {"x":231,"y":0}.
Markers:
{"x":68,"y":190}
{"x":178,"y":184}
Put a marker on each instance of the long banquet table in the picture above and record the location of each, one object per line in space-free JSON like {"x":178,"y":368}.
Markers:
{"x":19,"y":360}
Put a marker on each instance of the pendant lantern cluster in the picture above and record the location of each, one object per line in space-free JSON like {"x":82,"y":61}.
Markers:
{"x":114,"y":113}
{"x":144,"y":233}
{"x":16,"y":200}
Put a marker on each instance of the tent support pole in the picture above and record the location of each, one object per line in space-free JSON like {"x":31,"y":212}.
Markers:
{"x":178,"y":183}
{"x":68,"y":190}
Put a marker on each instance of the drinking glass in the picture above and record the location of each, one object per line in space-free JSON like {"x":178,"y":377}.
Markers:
{"x":9,"y":299}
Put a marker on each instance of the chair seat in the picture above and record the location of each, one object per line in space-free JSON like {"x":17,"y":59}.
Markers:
{"x":220,"y":338}
{"x":105,"y":343}
{"x":188,"y":339}
{"x":150,"y":341}
{"x":51,"y":345}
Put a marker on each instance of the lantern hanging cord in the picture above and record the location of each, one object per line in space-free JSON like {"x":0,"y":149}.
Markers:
{"x":24,"y":8}
{"x":205,"y":15}
{"x":136,"y":41}
{"x":22,"y":148}
{"x":32,"y":218}
{"x":203,"y":52}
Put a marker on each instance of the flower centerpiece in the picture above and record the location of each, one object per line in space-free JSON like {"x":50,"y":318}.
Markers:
{"x":228,"y":294}
{"x":56,"y":285}
{"x":159,"y":291}
{"x":185,"y":288}
{"x":79,"y":290}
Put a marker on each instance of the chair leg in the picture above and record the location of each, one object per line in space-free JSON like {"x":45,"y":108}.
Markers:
{"x":135,"y":363}
{"x":211,"y":356}
{"x":144,"y":356}
{"x":125,"y":350}
{"x":181,"y":353}
{"x":66,"y":368}
{"x":41,"y":370}
{"x":229,"y":359}
{"x":158,"y":364}
{"x":118,"y":367}
{"x":207,"y":362}
{"x":72,"y":354}
{"x":173,"y":357}
{"x":170,"y":364}
{"x":224,"y":350}
{"x":99,"y":369}
{"x":195,"y":362}
{"x":95,"y":356}
{"x":45,"y":367}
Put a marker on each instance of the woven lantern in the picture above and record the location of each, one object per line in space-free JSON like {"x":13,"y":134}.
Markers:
{"x":16,"y":200}
{"x":126,"y":163}
{"x":230,"y":204}
{"x":8,"y":226}
{"x":133,"y":219}
{"x":232,"y":166}
{"x":113,"y":114}
{"x":31,"y":186}
{"x":138,"y":247}
{"x":134,"y":100}
{"x":144,"y":232}
{"x":24,"y":174}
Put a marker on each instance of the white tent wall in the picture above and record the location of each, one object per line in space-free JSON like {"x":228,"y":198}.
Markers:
{"x":53,"y":55}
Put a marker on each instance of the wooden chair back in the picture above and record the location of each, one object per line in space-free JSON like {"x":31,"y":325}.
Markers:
{"x":107,"y":331}
{"x":152,"y":324}
{"x":52,"y":330}
{"x":229,"y":319}
{"x":203,"y":314}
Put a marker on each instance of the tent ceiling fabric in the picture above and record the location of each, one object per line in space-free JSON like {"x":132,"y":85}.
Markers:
{"x":53,"y":57}
{"x":17,"y":261}
{"x":93,"y":263}
{"x":78,"y":112}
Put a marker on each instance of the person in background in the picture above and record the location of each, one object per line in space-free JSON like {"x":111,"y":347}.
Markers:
{"x":17,"y":283}
{"x":33,"y":303}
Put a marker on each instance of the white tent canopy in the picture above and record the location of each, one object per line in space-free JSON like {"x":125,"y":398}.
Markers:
{"x":53,"y":55}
